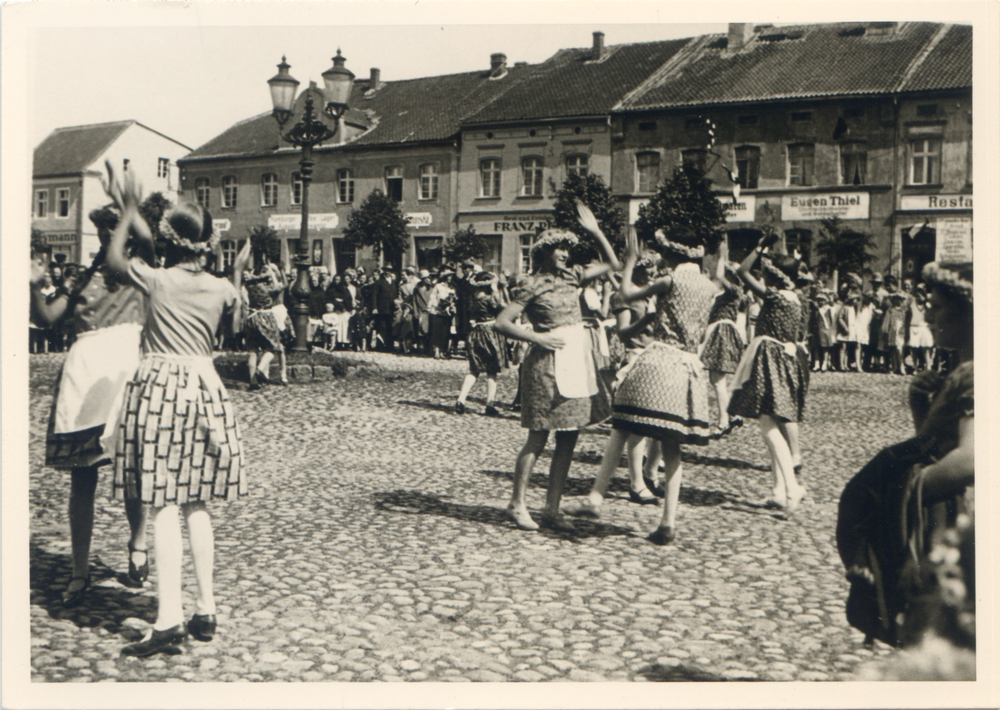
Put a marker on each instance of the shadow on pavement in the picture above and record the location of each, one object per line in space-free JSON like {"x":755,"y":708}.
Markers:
{"x":415,"y":502}
{"x":681,"y":674}
{"x":104,"y":606}
{"x":688,"y":456}
{"x":472,"y":410}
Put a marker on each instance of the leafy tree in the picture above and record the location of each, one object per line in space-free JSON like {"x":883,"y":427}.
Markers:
{"x":264,"y":242}
{"x":593,"y":192}
{"x":380,"y":224}
{"x":840,"y":250}
{"x":152,"y":210}
{"x":466,"y":244}
{"x":685,"y":200}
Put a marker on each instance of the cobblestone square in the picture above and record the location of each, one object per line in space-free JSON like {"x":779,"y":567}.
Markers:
{"x":374,"y":547}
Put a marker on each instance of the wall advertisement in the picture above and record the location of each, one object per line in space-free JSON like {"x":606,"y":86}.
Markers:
{"x":814,"y":206}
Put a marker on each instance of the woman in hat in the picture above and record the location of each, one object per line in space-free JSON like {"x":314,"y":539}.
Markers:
{"x":107,"y":313}
{"x":441,"y":310}
{"x":663,"y":394}
{"x":485,"y":349}
{"x":894,"y":329}
{"x":723,"y":343}
{"x":769,"y":382}
{"x":561,"y":388}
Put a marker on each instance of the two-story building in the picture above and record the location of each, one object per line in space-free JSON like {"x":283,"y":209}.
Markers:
{"x":517,"y":151}
{"x":67,"y":172}
{"x":813,"y":122}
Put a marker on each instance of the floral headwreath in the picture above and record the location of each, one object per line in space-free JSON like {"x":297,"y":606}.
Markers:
{"x":209,"y":245}
{"x":950,"y":277}
{"x":690,"y":252}
{"x":554,"y":238}
{"x":778,"y":274}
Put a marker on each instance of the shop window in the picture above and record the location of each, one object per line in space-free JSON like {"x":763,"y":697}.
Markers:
{"x":918,"y":249}
{"x":162,"y":167}
{"x":202,"y":192}
{"x":526,"y":242}
{"x":62,"y":200}
{"x":429,"y":182}
{"x":853,"y":163}
{"x":648,"y":171}
{"x":41,"y":203}
{"x":531,"y":171}
{"x":800,"y":240}
{"x":268,"y":190}
{"x":800,"y":164}
{"x":494,"y":256}
{"x":345,"y":186}
{"x":344,"y":255}
{"x":394,"y":183}
{"x":296,"y":189}
{"x":489,"y":178}
{"x":577,"y":165}
{"x":748,"y":166}
{"x":925,"y":161}
{"x":696,"y":158}
{"x":430,"y":252}
{"x":229,"y":191}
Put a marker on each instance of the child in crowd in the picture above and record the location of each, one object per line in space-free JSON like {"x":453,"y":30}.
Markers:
{"x":486,"y":349}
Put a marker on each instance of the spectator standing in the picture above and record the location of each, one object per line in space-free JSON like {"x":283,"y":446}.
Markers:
{"x":385,"y":293}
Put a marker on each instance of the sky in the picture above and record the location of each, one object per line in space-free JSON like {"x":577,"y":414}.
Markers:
{"x":192,"y":83}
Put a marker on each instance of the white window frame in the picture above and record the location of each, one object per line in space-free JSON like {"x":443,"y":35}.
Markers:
{"x":526,"y":240}
{"x":269,"y":190}
{"x":202,"y":191}
{"x":41,"y":204}
{"x":62,"y":198}
{"x":532,"y":176}
{"x":228,"y":248}
{"x":230,"y":192}
{"x":930,"y":168}
{"x":162,"y":167}
{"x":578,"y":164}
{"x":394,"y":172}
{"x":489,"y":177}
{"x":295,"y":192}
{"x":639,"y":175}
{"x":345,"y":186}
{"x":429,"y":181}
{"x":853,"y":148}
{"x":799,"y":167}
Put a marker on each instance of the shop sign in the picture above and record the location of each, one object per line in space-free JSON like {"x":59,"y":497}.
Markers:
{"x":288,"y":222}
{"x":61,"y":238}
{"x":221,"y":225}
{"x":418,"y":219}
{"x":936,"y":202}
{"x":953,"y":240}
{"x":519,"y":223}
{"x":743,"y":210}
{"x":845,"y":205}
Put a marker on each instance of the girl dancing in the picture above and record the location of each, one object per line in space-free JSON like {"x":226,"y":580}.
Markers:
{"x":485,"y":349}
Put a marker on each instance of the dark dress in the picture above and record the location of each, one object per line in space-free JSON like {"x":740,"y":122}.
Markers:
{"x":551,"y":301}
{"x":774,"y":381}
{"x":723,"y":344}
{"x":486,"y":349}
{"x":261,"y":329}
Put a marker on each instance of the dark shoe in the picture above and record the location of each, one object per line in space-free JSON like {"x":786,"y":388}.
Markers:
{"x":459,"y":408}
{"x":663,"y":535}
{"x":137,"y":574}
{"x":647,"y":499}
{"x":491,"y":411}
{"x":253,"y":387}
{"x":166,"y":641}
{"x":653,"y":487}
{"x":72,"y":597}
{"x":557,"y":523}
{"x":202,"y":626}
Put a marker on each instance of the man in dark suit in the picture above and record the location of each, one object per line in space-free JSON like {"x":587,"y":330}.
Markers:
{"x":384,"y":296}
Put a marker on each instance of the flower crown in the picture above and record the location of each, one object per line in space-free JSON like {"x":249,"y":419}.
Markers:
{"x":690,"y":252}
{"x":553,"y":238}
{"x":778,"y":274}
{"x":950,"y":277}
{"x":209,"y":245}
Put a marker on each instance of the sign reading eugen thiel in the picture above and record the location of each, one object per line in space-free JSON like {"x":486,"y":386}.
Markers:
{"x":936,"y":202}
{"x":818,"y":205}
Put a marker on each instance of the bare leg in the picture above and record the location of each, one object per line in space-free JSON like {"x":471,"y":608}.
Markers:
{"x":654,"y":454}
{"x":790,"y":430}
{"x":202,"y":541}
{"x":562,"y":457}
{"x":169,"y":548}
{"x":467,"y":384}
{"x":635,"y":448}
{"x":666,"y":532}
{"x":283,"y":364}
{"x":265,"y":365}
{"x":491,"y":389}
{"x":137,"y":513}
{"x":518,"y":509}
{"x":252,"y":366}
{"x":718,"y":380}
{"x":781,"y":456}
{"x":609,"y":462}
{"x":83,"y":485}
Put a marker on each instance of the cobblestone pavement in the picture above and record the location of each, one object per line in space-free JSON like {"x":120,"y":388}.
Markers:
{"x":373,"y":546}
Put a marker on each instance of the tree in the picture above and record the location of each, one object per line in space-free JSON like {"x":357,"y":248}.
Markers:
{"x":152,"y":210}
{"x":842,"y":250}
{"x":380,"y":224}
{"x":685,"y":200}
{"x":264,"y":242}
{"x":466,"y":244}
{"x":591,"y":190}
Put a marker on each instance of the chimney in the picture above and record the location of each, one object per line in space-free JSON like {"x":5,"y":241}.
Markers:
{"x":374,"y":81}
{"x":598,"y":46}
{"x":498,"y":62}
{"x":739,"y":35}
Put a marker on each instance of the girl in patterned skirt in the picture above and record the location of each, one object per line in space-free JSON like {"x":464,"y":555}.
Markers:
{"x":485,"y":348}
{"x":724,"y":344}
{"x":663,"y":394}
{"x":768,"y":384}
{"x":177,"y":443}
{"x":561,"y":387}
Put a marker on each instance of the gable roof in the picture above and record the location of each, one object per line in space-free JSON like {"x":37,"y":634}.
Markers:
{"x":571,"y":83}
{"x":839,"y":59}
{"x":948,"y":64}
{"x":73,"y":149}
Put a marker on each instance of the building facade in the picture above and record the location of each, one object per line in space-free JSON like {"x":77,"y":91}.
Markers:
{"x":67,"y":172}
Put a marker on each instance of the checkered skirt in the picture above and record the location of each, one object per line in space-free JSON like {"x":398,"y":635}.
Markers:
{"x":178,"y":440}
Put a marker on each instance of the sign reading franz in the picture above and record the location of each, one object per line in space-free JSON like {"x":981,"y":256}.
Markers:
{"x":845,"y":205}
{"x":936,"y":202}
{"x":521,"y":224}
{"x":289,"y":222}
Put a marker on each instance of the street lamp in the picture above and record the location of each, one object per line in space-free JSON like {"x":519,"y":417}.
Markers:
{"x":306,"y":122}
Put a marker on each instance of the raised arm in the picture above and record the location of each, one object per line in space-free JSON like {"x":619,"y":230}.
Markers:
{"x":629,"y":291}
{"x":752,"y":283}
{"x":47,"y":311}
{"x":589,"y":222}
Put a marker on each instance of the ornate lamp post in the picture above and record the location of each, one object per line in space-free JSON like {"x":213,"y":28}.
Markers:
{"x":306,"y":122}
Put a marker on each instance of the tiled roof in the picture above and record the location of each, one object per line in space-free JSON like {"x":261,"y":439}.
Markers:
{"x":570,"y":84}
{"x":948,"y":65}
{"x":74,"y":149}
{"x":788,"y":62}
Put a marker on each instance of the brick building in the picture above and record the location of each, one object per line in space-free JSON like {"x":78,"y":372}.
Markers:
{"x":66,"y":178}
